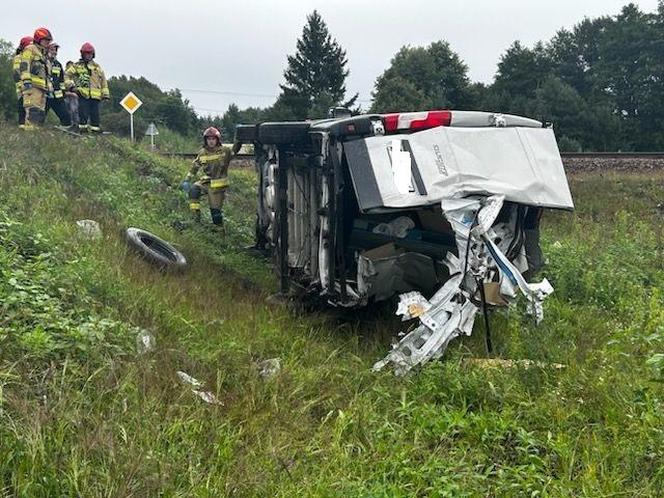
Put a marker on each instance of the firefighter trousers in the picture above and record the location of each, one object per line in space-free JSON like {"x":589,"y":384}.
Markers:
{"x":88,"y":113}
{"x":60,"y":109}
{"x":216,"y":198}
{"x":34,"y":103}
{"x":21,"y":112}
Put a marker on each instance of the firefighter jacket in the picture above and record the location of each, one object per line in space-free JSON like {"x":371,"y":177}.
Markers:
{"x":16,"y":73}
{"x":57,"y":79}
{"x":88,"y":80}
{"x":214,"y":163}
{"x":35,"y":67}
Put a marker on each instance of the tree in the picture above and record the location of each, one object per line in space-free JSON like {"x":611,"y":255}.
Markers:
{"x":167,"y":108}
{"x":7,"y":88}
{"x":423,"y":78}
{"x":316,"y":74}
{"x":233,"y":117}
{"x":521,"y":70}
{"x":631,"y":75}
{"x":575,"y":120}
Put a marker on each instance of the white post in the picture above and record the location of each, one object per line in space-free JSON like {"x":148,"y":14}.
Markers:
{"x":131,"y":126}
{"x":152,"y":142}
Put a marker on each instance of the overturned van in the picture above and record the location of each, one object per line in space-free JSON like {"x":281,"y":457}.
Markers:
{"x":440,"y":207}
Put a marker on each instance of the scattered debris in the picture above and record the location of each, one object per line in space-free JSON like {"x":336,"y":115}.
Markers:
{"x":196,"y":384}
{"x":89,"y":228}
{"x":188,"y":379}
{"x":481,"y":269}
{"x":269,"y":368}
{"x":145,"y":341}
{"x":208,"y":397}
{"x":398,"y":227}
{"x":503,"y":363}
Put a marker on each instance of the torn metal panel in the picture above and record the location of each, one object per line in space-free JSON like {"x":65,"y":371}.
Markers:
{"x":481,"y":261}
{"x":524,"y":164}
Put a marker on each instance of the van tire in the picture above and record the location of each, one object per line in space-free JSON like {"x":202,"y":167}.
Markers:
{"x":245,"y":133}
{"x":155,"y":250}
{"x":284,"y":133}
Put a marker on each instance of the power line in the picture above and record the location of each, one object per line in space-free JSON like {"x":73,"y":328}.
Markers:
{"x":238,"y":94}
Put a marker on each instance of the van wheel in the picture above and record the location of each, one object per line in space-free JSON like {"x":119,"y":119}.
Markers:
{"x":284,"y":133}
{"x":155,"y":250}
{"x":245,"y":133}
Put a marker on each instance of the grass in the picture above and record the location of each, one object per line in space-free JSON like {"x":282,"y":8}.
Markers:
{"x":83,"y":414}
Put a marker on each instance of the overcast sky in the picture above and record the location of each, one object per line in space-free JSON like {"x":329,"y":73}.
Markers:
{"x":239,"y":48}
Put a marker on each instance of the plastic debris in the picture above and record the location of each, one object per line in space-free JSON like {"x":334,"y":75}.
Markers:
{"x":145,"y":341}
{"x":452,"y":309}
{"x":208,"y":397}
{"x":196,"y":384}
{"x":398,"y":227}
{"x":269,"y":368}
{"x":89,"y":228}
{"x":188,"y":379}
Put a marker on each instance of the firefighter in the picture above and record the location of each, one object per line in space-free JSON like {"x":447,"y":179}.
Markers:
{"x":35,"y":78}
{"x":16,"y":66}
{"x":214,"y":159}
{"x":88,"y":80}
{"x":57,"y":101}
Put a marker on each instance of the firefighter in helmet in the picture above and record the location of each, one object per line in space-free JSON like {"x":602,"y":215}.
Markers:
{"x":213,"y":159}
{"x":88,"y":80}
{"x":57,"y":100}
{"x":16,"y":72}
{"x":35,"y":78}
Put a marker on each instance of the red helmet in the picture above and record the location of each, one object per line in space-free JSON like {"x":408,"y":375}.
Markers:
{"x":25,"y":41}
{"x":212,"y":132}
{"x":42,"y":34}
{"x":87,"y":48}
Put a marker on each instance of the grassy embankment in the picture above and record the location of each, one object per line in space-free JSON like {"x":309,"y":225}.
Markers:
{"x":82,"y":414}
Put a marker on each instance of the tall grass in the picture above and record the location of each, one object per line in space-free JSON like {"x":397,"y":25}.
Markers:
{"x":83,"y":414}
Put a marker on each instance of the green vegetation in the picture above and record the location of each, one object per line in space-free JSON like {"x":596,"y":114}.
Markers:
{"x":598,"y":82}
{"x":83,"y":414}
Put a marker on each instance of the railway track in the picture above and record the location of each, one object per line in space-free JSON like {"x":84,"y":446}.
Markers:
{"x":572,"y":155}
{"x":574,"y":162}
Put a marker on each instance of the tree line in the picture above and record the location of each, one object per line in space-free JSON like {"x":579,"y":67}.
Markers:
{"x":601,"y":84}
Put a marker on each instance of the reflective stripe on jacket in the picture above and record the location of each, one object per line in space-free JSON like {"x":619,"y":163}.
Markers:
{"x":35,"y":68}
{"x":57,"y":79}
{"x":88,"y":79}
{"x":214,"y":163}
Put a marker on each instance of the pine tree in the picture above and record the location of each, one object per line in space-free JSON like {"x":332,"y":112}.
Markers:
{"x":316,"y":74}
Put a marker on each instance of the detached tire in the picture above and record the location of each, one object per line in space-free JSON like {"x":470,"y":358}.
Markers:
{"x":155,"y":250}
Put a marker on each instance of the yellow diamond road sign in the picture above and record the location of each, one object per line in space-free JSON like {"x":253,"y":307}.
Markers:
{"x":131,"y":103}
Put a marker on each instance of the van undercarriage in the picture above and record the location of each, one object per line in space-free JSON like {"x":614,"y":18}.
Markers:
{"x":444,"y":204}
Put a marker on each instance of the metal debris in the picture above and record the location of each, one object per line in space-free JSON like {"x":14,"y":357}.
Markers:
{"x":451,"y":311}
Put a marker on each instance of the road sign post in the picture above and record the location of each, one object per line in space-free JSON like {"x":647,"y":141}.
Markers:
{"x":131,"y":103}
{"x":152,"y":132}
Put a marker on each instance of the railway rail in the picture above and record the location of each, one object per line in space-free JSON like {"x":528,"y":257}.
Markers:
{"x":564,"y":155}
